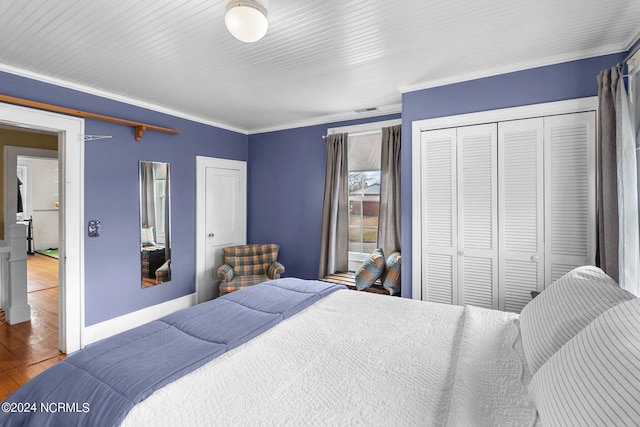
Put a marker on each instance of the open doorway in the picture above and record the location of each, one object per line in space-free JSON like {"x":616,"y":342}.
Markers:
{"x":29,"y":347}
{"x":70,"y":136}
{"x":38,"y":209}
{"x":68,"y":132}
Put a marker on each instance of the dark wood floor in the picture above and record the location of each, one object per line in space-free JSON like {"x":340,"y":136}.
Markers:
{"x":28,"y":348}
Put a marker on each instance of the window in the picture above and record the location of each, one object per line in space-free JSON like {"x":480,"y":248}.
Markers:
{"x":364,"y":150}
{"x":159,"y":199}
{"x":633,"y":71}
{"x":628,"y":210}
{"x":24,"y":174}
{"x":364,"y":195}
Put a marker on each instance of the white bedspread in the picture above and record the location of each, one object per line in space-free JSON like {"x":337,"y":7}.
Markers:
{"x":356,"y":358}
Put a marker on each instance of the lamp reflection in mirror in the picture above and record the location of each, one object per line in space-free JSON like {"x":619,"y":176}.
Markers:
{"x":155,"y":223}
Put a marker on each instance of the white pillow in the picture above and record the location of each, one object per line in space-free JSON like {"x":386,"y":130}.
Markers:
{"x":594,"y":379}
{"x":564,"y":309}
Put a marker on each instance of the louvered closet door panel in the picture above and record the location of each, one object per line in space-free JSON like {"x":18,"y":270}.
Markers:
{"x":477,"y":215}
{"x":569,"y":193}
{"x":521,"y":202}
{"x":439,"y":207}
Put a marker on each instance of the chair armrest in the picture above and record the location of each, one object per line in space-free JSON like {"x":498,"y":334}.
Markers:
{"x":225,"y":272}
{"x":275,"y":270}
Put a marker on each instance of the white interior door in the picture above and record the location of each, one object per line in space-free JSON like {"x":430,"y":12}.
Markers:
{"x":221,"y":218}
{"x":477,"y":215}
{"x":569,"y":149}
{"x":439,"y":221}
{"x":521,"y":201}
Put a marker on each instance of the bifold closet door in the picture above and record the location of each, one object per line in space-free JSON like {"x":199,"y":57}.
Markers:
{"x":459,"y":196}
{"x":507,"y":207}
{"x":521,"y":201}
{"x":439,"y":216}
{"x":569,"y":146}
{"x":477,"y":215}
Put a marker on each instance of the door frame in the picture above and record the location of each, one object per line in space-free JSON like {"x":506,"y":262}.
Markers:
{"x":202,"y":163}
{"x":70,"y":131}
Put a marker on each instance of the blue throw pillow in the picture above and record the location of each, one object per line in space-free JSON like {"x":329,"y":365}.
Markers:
{"x":370,"y":270}
{"x":391,"y":280}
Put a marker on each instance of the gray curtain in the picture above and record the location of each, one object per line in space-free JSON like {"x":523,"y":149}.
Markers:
{"x":167,"y":215}
{"x":389,"y":217}
{"x":334,"y":249}
{"x":606,"y":173}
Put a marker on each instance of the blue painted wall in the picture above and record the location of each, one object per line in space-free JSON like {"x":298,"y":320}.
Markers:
{"x":576,"y":79}
{"x":112,"y":261}
{"x":285,"y":177}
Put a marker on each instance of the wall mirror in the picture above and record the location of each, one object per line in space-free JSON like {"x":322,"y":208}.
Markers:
{"x":155,"y":223}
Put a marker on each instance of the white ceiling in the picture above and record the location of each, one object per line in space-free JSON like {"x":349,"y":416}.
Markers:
{"x":319,"y":61}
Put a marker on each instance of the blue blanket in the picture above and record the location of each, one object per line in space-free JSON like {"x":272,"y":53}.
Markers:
{"x":99,"y":385}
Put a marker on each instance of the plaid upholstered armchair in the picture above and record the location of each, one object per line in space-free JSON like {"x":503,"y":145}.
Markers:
{"x":248,"y":265}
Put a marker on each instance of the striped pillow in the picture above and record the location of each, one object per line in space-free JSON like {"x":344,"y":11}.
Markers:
{"x":391,"y":280}
{"x":370,"y":270}
{"x":594,"y":379}
{"x":564,"y":309}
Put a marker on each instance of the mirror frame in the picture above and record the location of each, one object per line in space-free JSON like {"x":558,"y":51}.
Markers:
{"x":155,"y":249}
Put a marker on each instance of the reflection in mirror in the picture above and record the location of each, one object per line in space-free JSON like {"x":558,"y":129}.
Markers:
{"x":155,"y":223}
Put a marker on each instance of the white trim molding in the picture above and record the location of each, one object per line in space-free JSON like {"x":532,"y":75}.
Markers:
{"x":134,"y":319}
{"x":364,"y":127}
{"x":514,"y":68}
{"x":70,"y":131}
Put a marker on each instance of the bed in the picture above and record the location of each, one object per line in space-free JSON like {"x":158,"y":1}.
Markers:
{"x":296,"y":352}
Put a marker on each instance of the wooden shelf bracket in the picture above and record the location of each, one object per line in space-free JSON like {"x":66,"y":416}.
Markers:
{"x":139,"y":131}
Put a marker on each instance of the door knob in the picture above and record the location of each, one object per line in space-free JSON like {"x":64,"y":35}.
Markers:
{"x":210,"y":235}
{"x":535,"y":258}
{"x":462,"y":252}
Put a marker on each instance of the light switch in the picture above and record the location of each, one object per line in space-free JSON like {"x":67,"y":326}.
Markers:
{"x":94,"y":228}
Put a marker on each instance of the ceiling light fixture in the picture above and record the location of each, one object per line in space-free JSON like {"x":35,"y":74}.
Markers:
{"x":246,"y":20}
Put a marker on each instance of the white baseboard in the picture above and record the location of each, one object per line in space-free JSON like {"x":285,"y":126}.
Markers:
{"x":128,"y":321}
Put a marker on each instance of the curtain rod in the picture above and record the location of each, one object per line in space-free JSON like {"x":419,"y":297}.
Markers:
{"x":139,"y":127}
{"x":367,"y":132}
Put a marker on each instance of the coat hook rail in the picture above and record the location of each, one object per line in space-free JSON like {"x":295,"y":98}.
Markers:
{"x":96,"y":137}
{"x":140,"y":128}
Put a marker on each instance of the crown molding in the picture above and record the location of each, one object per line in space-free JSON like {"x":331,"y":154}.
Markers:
{"x":114,"y":97}
{"x":634,"y":37}
{"x":521,"y":66}
{"x":332,"y":118}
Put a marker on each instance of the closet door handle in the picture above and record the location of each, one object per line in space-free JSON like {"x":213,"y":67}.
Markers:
{"x":462,"y":252}
{"x":535,"y":258}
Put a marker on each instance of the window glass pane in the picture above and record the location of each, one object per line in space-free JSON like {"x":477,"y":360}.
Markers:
{"x":355,"y":225}
{"x":635,"y":100}
{"x":364,"y":194}
{"x":159,"y":201}
{"x":364,"y":201}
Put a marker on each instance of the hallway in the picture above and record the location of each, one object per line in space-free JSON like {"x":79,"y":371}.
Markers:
{"x":28,"y":348}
